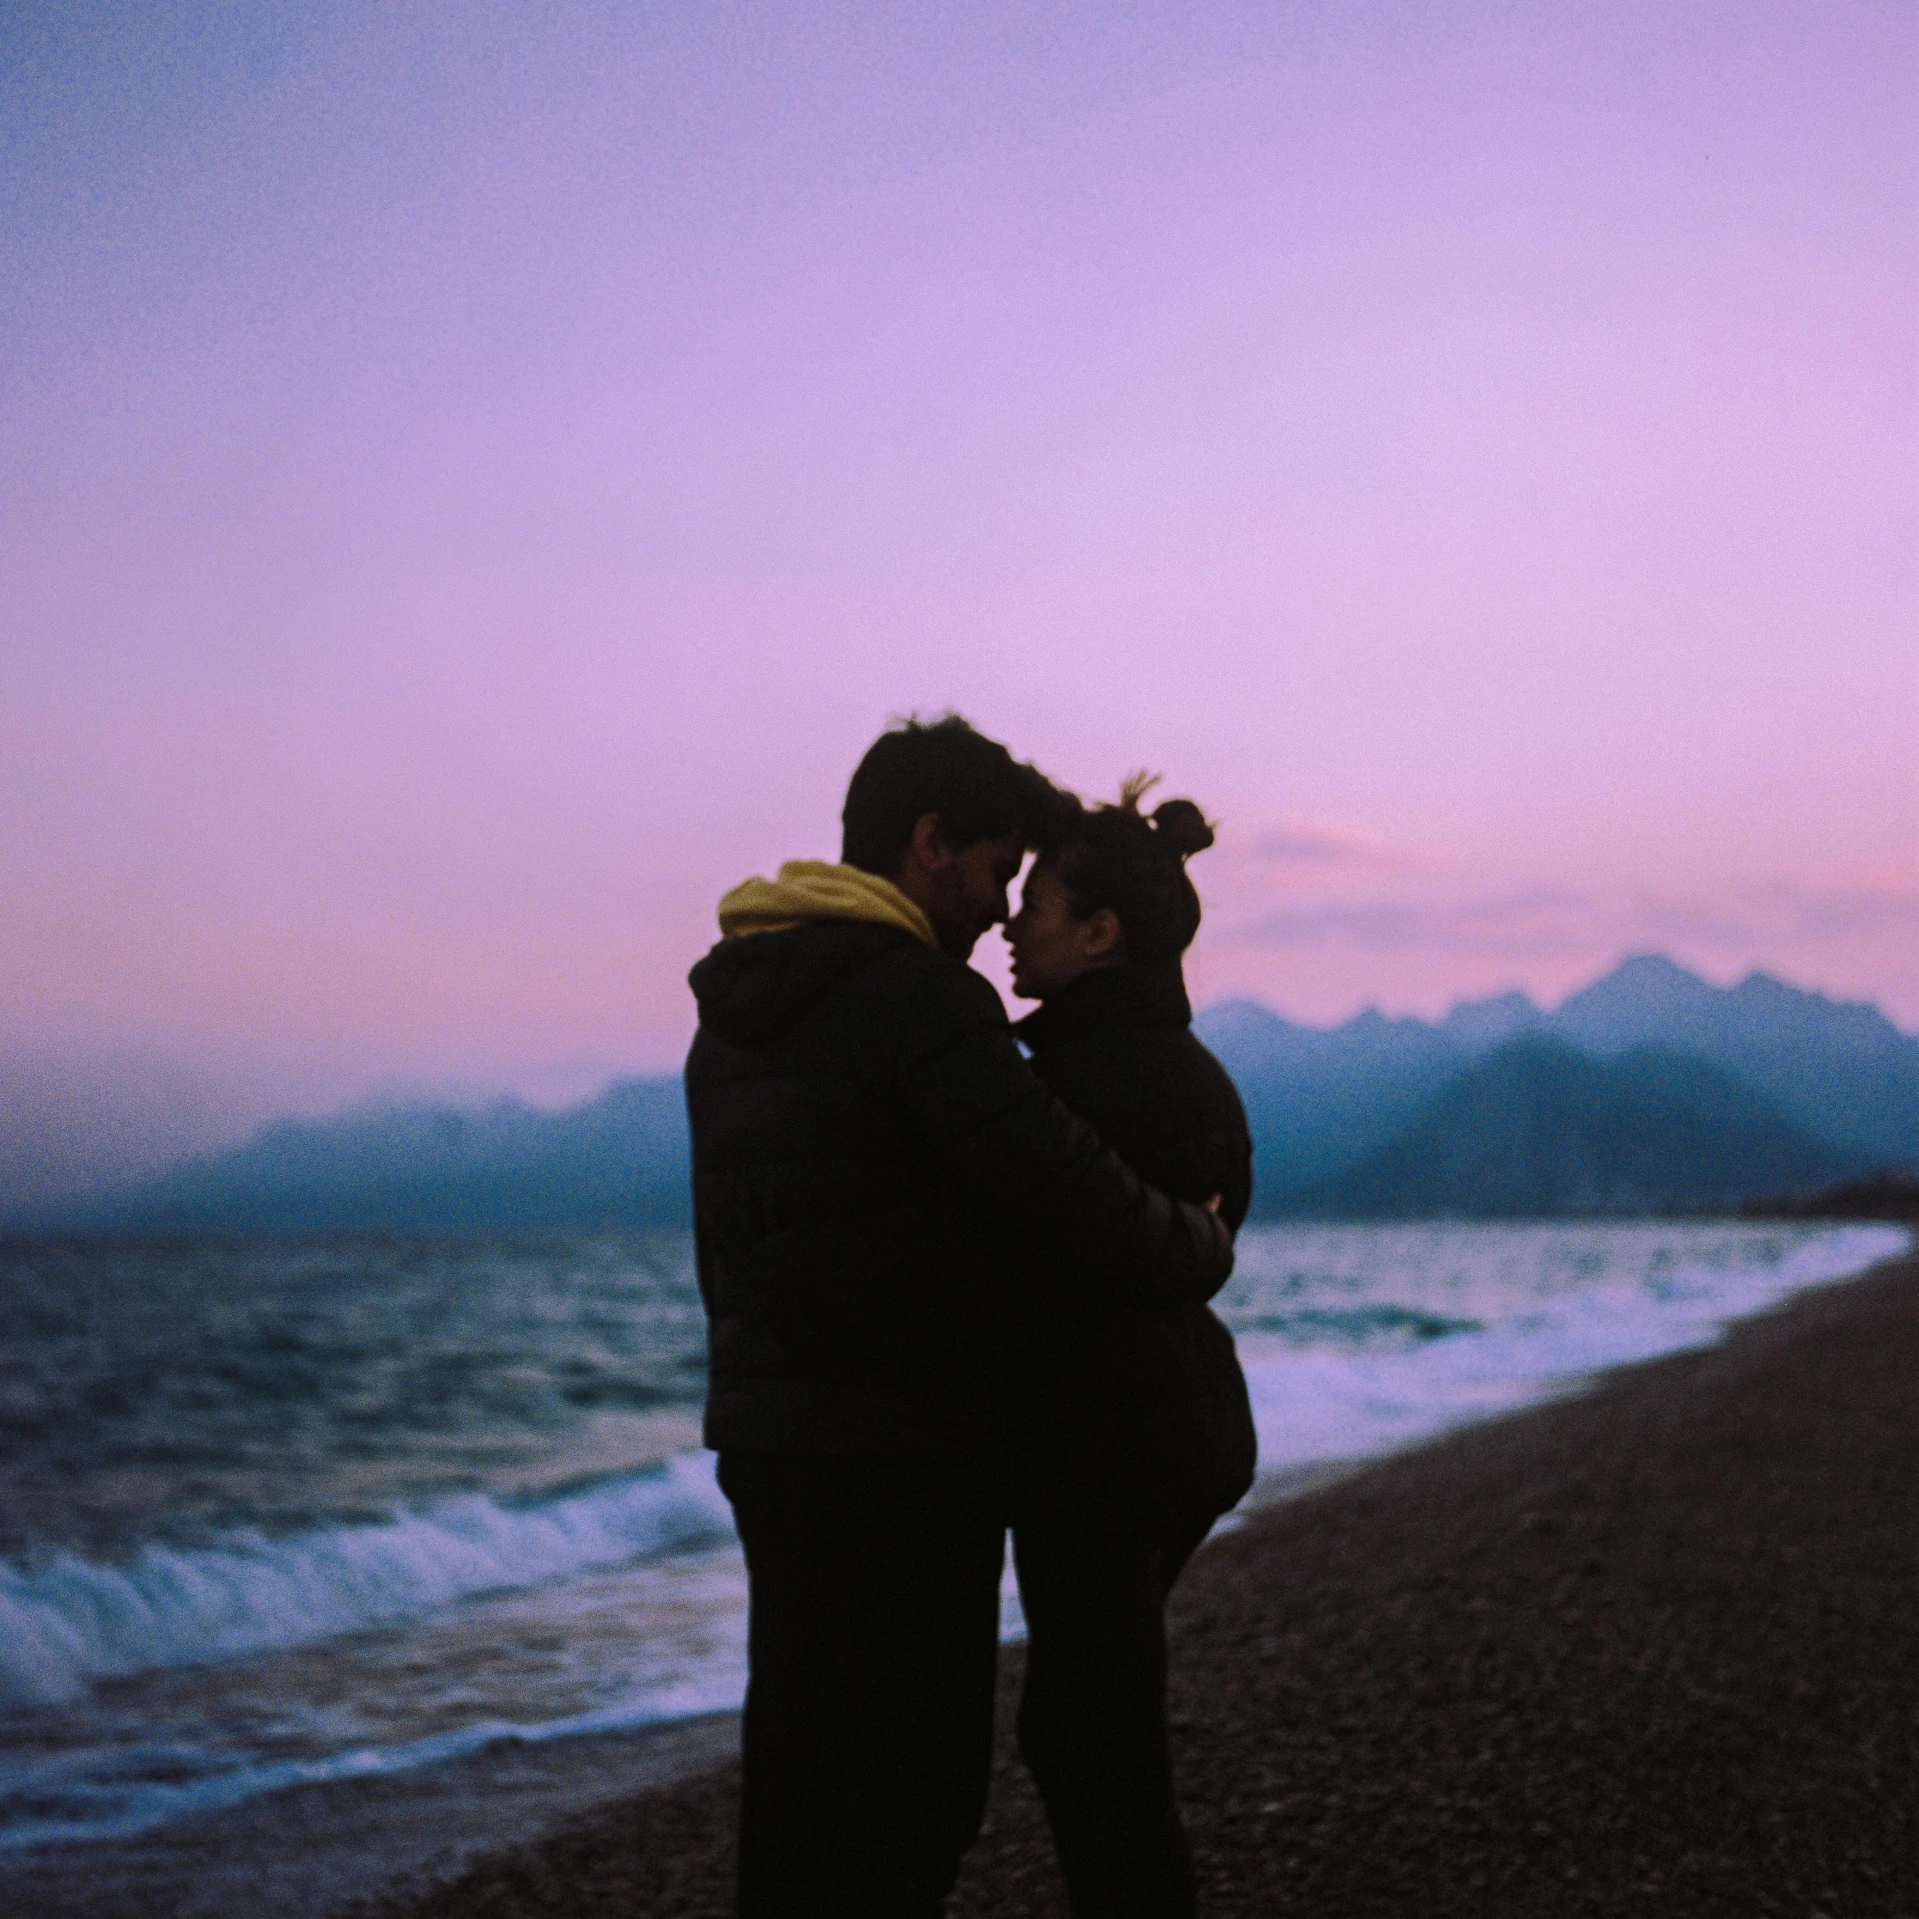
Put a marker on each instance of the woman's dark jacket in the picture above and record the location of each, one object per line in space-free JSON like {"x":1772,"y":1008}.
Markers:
{"x":869,"y":1148}
{"x":1137,"y":1395}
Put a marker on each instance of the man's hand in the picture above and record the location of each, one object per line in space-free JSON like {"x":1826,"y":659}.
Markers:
{"x":1212,"y":1205}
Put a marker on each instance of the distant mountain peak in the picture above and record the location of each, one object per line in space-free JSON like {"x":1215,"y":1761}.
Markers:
{"x":1644,"y":978}
{"x":1760,"y":988}
{"x":1639,"y":967}
{"x":1645,"y":996}
{"x":1243,"y":1012}
{"x":1491,"y":1022}
{"x":1235,"y":1025}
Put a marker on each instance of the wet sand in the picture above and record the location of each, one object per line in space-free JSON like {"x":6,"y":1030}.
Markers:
{"x":1653,"y":1649}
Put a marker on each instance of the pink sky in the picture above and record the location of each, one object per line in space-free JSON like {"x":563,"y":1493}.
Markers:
{"x":475,"y":479}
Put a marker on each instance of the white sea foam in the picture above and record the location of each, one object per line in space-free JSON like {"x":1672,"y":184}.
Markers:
{"x":1324,"y":1403}
{"x":72,"y":1621}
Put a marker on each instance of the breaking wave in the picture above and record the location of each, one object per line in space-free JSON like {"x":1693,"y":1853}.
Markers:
{"x":71,"y":1621}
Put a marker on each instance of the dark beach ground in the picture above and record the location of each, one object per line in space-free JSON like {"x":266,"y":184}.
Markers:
{"x":1654,"y":1649}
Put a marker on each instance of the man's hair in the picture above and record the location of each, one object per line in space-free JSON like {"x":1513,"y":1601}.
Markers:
{"x":1135,"y":865}
{"x":977,"y":788}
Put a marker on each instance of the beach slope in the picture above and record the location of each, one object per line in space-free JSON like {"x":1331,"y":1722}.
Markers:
{"x":1651,"y":1649}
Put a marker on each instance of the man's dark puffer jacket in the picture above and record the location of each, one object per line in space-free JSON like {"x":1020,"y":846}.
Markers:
{"x":868,"y":1146}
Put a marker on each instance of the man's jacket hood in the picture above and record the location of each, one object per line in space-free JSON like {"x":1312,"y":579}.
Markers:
{"x":819,"y":890}
{"x":785,"y":942}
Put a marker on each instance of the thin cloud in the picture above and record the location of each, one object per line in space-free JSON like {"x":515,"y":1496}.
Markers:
{"x":1528,"y":923}
{"x":1865,"y":911}
{"x":1738,"y":919}
{"x":1317,"y":847}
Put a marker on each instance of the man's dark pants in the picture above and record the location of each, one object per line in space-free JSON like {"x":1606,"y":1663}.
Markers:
{"x":872,"y":1642}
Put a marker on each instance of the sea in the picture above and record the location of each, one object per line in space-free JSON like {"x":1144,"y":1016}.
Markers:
{"x":279,"y":1512}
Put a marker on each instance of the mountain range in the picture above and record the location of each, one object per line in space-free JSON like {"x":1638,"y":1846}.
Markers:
{"x":1650,"y":1091}
{"x":1836,"y":1077}
{"x":1537,"y":1128}
{"x":618,"y":1160}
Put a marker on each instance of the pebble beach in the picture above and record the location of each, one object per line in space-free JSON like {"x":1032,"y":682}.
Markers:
{"x":1651,"y":1649}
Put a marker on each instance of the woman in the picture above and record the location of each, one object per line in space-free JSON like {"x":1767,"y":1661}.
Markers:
{"x":1135,"y":1432}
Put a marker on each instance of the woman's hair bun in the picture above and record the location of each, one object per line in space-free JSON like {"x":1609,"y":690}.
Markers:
{"x":1120,"y":858}
{"x":1181,"y":826}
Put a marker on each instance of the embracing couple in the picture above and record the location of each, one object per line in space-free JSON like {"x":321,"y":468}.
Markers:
{"x":953,"y":1291}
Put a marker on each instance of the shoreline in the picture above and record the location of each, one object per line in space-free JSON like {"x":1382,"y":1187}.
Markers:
{"x":340,"y":1846}
{"x":311,"y":1852}
{"x":1649,"y":1648}
{"x":1420,"y":1589}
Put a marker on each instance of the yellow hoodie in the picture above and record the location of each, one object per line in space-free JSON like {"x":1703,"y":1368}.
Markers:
{"x":819,"y":890}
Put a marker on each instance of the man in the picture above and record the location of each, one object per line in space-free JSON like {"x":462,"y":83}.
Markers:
{"x":868,"y":1148}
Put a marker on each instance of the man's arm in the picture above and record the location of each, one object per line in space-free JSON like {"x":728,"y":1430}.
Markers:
{"x":1031,"y":1170}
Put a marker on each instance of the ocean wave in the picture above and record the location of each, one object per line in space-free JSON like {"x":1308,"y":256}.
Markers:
{"x":1355,"y":1326}
{"x":1325,"y":1403}
{"x":72,"y":1621}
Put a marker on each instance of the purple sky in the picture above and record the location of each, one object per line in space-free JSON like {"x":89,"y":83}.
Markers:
{"x":475,"y":478}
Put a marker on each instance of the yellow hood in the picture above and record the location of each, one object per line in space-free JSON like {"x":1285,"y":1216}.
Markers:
{"x":819,"y":890}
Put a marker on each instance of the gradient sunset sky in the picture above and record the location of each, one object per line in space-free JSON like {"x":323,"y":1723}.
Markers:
{"x":475,"y":478}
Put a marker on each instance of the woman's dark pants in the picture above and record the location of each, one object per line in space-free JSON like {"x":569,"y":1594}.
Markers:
{"x":872,"y":1643}
{"x":1094,"y":1574}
